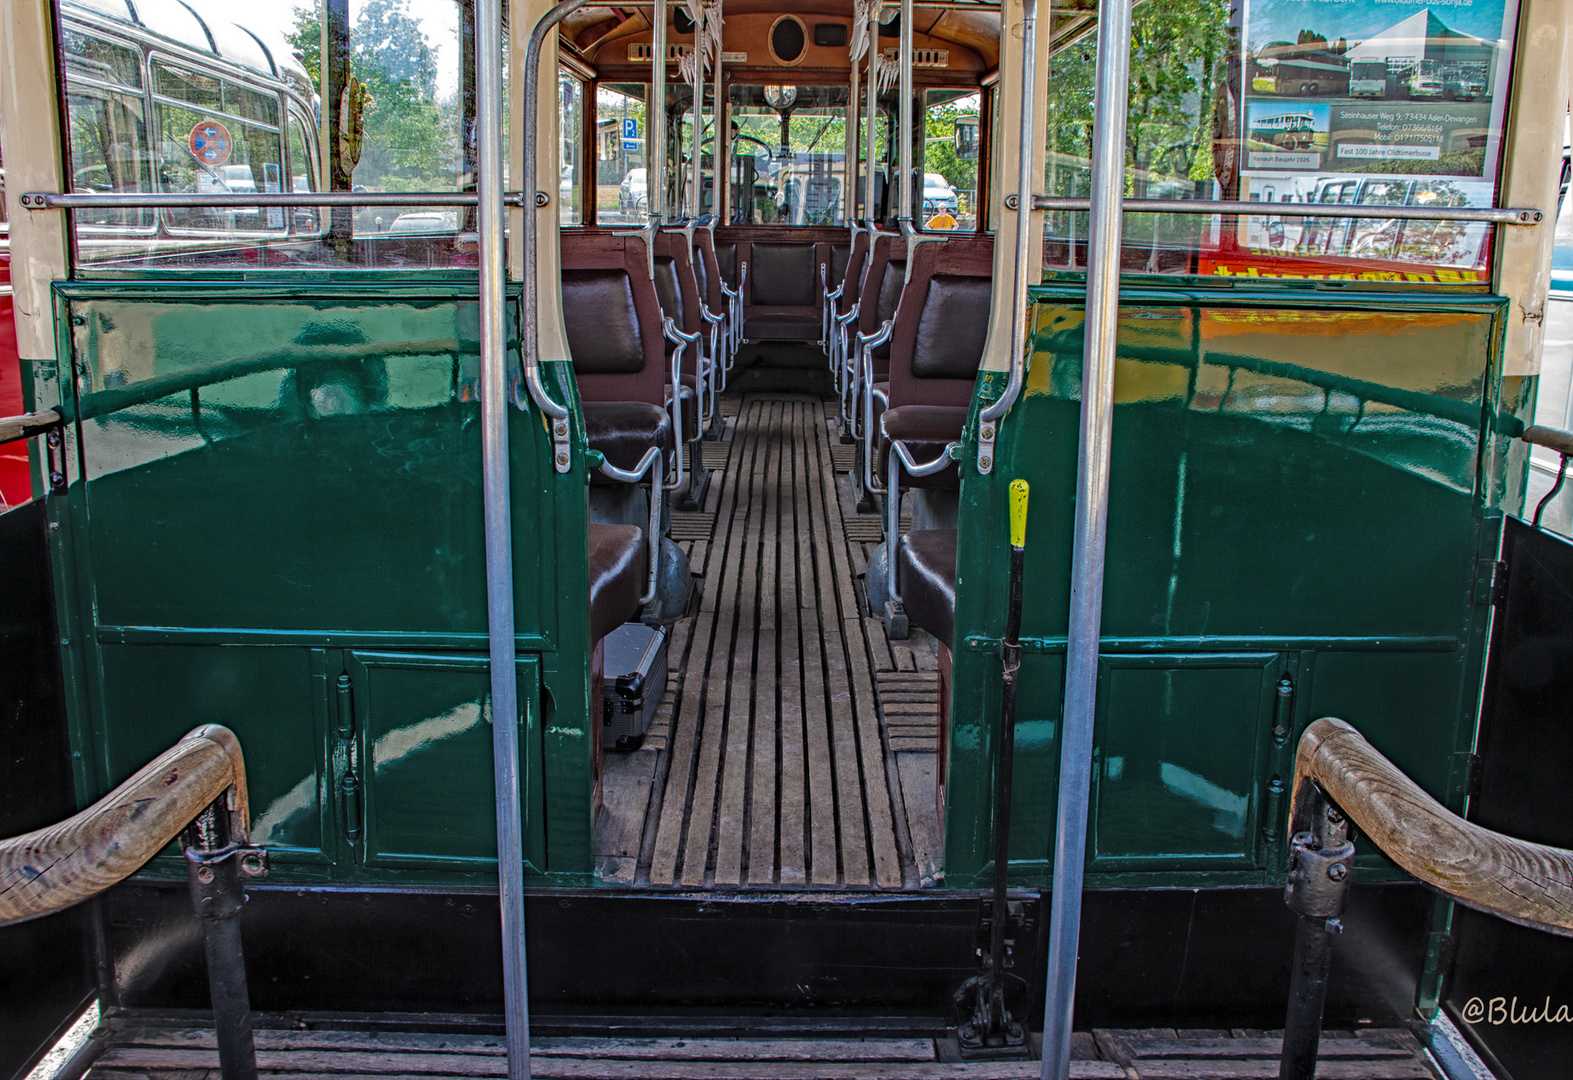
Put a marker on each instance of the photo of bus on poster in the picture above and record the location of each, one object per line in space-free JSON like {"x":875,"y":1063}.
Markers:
{"x":1412,"y":87}
{"x":1370,"y":103}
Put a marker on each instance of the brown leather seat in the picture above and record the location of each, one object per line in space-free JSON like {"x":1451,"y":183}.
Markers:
{"x":926,"y":563}
{"x":618,"y":568}
{"x":624,"y":430}
{"x":614,"y":336}
{"x":925,"y":430}
{"x":936,"y":347}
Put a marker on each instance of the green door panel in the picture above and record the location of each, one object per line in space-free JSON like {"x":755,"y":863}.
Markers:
{"x":423,"y":757}
{"x":293,"y":466}
{"x":1177,"y":765}
{"x":266,"y":695}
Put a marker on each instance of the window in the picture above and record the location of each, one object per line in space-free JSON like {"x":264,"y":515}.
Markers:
{"x":216,"y":136}
{"x":622,"y":193}
{"x":570,"y":103}
{"x":950,"y":161}
{"x":1327,"y":104}
{"x":109,"y":146}
{"x":788,"y":155}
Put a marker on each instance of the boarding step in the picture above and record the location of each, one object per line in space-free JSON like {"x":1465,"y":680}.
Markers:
{"x":140,"y":1049}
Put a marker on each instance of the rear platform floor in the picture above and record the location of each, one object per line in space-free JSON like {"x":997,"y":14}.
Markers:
{"x":796,"y":744}
{"x":168,"y":1048}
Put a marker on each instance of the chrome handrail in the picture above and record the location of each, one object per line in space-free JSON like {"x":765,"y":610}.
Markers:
{"x":1228,"y":207}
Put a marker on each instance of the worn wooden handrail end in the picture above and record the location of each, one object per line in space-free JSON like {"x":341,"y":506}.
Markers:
{"x":55,"y":867}
{"x":1525,"y":883}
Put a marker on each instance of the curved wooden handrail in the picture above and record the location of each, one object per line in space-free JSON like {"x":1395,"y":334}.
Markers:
{"x":66,"y":863}
{"x":1549,"y":437}
{"x":1529,"y":884}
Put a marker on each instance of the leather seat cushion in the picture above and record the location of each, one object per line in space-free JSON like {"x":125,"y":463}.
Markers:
{"x":624,"y":430}
{"x":926,"y":567}
{"x":690,"y":402}
{"x":781,"y":326}
{"x":619,"y":565}
{"x":926,"y":430}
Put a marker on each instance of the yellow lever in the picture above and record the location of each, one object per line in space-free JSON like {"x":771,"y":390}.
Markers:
{"x":1018,"y":514}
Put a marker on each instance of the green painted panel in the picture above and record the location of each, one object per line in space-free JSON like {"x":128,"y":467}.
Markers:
{"x":1293,"y":473}
{"x":424,"y":747}
{"x":155,"y":694}
{"x":295,"y":465}
{"x":306,"y":450}
{"x":1177,"y":773}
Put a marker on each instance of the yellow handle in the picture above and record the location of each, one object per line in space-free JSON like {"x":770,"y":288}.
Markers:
{"x":1018,"y":513}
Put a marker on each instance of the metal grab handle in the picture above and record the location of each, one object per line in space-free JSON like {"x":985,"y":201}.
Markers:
{"x":531,"y":239}
{"x":222,"y":200}
{"x":1552,"y":439}
{"x":682,"y":340}
{"x":1330,"y":211}
{"x":878,"y":337}
{"x":946,"y":458}
{"x":645,"y":468}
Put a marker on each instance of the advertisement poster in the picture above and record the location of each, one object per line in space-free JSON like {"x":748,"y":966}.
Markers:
{"x":1373,"y":102}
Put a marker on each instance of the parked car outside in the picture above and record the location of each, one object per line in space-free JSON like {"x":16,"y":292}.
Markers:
{"x":633,"y":194}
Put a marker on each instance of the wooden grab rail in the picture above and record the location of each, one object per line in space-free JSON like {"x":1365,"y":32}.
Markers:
{"x":66,"y":863}
{"x":1529,"y":884}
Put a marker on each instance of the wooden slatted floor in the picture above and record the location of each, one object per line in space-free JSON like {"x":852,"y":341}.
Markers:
{"x":143,"y":1048}
{"x":769,"y":763}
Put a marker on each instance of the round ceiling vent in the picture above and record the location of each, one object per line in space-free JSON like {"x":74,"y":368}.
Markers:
{"x":788,"y":40}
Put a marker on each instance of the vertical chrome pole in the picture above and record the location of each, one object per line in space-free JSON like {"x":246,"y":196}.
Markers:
{"x":696,"y":178}
{"x":718,"y":160}
{"x":655,"y":177}
{"x":1092,"y":507}
{"x":849,"y":210}
{"x":498,"y":511}
{"x":904,"y":54}
{"x":873,"y":113}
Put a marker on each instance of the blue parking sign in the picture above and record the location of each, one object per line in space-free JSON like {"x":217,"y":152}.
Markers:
{"x":630,"y":133}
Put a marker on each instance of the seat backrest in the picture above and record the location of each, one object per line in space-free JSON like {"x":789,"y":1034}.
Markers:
{"x":942,"y":323}
{"x":783,"y":275}
{"x":840,"y":255}
{"x":726,"y":259}
{"x":675,"y":281}
{"x":852,"y":274}
{"x":612,"y":317}
{"x":708,"y":270}
{"x":880,"y":279}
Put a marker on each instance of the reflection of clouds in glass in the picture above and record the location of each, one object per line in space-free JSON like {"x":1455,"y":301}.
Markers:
{"x":1229,"y":818}
{"x":403,"y":741}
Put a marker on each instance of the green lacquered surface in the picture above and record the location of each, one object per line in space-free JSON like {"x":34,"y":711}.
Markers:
{"x":1297,"y":490}
{"x":314,"y":509}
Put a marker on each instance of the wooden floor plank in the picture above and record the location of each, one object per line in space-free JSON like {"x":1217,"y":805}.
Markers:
{"x":684,"y":753}
{"x":722,"y":669}
{"x":793,"y":849}
{"x":752,"y":596}
{"x":876,"y":795}
{"x":764,"y":792}
{"x":821,"y":770}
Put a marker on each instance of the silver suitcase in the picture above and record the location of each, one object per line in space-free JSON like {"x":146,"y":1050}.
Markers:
{"x":634,"y":679}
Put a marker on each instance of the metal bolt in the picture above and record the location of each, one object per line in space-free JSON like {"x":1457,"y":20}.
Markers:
{"x":205,"y":874}
{"x":1337,"y":872}
{"x":986,"y":431}
{"x":985,"y":464}
{"x":1335,"y":816}
{"x":562,"y":459}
